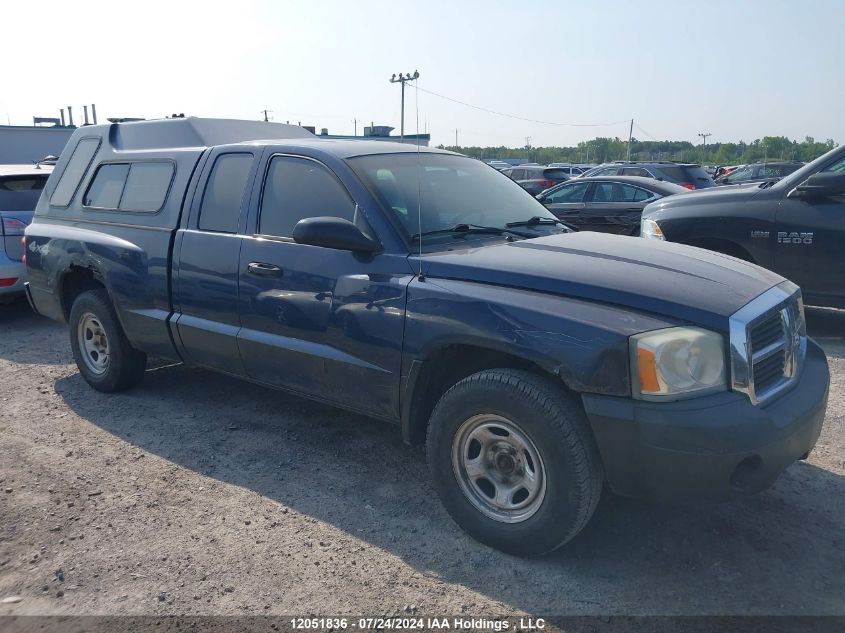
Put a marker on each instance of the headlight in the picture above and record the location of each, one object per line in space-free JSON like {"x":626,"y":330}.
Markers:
{"x":676,"y":363}
{"x":651,"y":229}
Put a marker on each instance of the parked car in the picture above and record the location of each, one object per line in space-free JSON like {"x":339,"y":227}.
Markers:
{"x":568,"y":169}
{"x":423,"y":288}
{"x":795,"y":227}
{"x":688,"y":175}
{"x":535,"y":178}
{"x":725,"y":170}
{"x":499,"y":164}
{"x":610,"y":204}
{"x":759,"y":172}
{"x":20,"y":186}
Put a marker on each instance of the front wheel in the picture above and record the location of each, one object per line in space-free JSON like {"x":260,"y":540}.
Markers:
{"x":102,"y":352}
{"x":513,"y":461}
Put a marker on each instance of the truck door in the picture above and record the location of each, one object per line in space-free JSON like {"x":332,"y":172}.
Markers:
{"x":810,"y":234}
{"x":206,"y":263}
{"x":322,"y":322}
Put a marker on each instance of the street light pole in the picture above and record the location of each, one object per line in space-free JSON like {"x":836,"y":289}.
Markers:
{"x":401,"y":80}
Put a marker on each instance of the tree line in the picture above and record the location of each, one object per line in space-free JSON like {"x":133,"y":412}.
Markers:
{"x":601,"y":150}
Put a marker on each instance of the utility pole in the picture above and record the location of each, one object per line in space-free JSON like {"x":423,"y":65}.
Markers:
{"x":456,"y":138}
{"x":266,"y":116}
{"x":704,"y":136}
{"x":355,"y":123}
{"x":630,"y":137}
{"x":401,"y":80}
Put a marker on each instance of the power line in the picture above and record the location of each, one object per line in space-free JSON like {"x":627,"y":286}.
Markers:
{"x":651,"y":136}
{"x":519,"y":118}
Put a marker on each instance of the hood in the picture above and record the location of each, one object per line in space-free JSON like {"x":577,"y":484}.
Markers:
{"x":699,"y":198}
{"x":687,"y":283}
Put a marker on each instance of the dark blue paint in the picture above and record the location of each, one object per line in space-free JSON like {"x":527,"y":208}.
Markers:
{"x":349,"y":329}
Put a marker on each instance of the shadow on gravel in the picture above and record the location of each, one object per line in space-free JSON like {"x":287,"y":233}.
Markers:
{"x":31,"y":339}
{"x":781,"y":552}
{"x":825,"y":322}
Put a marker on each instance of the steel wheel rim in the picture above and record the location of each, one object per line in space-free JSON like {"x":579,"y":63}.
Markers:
{"x":93,"y":344}
{"x":499,"y":469}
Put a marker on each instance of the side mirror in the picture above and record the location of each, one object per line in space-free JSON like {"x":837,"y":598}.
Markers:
{"x":821,"y":185}
{"x":335,"y":233}
{"x":540,"y":197}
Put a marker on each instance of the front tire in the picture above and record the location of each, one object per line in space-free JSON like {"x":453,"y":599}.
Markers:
{"x":513,"y":460}
{"x":102,"y":352}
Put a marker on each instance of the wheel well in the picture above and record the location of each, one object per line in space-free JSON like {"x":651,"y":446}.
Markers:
{"x":725,"y":247}
{"x":74,"y":283}
{"x":445,"y":368}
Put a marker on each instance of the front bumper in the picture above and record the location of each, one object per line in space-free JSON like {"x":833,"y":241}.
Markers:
{"x":714,"y":447}
{"x":11,"y":269}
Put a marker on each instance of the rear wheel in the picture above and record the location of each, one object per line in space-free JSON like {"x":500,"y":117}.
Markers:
{"x":102,"y":352}
{"x":513,"y":461}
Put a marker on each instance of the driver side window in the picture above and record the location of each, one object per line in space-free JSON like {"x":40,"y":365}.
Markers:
{"x":569,"y":193}
{"x":299,"y":188}
{"x":837,"y":167}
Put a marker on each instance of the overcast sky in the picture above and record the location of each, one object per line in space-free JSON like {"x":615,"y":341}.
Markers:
{"x":737,"y":69}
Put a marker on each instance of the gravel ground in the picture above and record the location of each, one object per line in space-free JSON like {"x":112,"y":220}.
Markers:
{"x":198,"y":494}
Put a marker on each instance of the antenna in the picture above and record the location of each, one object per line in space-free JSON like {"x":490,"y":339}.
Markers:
{"x":419,"y":168}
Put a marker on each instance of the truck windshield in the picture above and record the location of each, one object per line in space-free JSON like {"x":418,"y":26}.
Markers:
{"x":430,"y":193}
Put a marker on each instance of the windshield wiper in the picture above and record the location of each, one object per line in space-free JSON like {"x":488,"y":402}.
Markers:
{"x":470,"y":229}
{"x":535,"y":221}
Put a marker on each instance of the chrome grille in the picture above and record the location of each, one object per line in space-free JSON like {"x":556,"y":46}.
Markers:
{"x":768,"y":342}
{"x":767,"y":332}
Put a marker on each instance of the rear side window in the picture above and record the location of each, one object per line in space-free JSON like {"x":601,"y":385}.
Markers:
{"x":689,"y":175}
{"x":635,"y":171}
{"x":76,"y":167}
{"x":298,"y":188}
{"x":20,"y":193}
{"x":140,"y":186}
{"x":146,"y":186}
{"x":555,"y":174}
{"x":105,"y":190}
{"x":224,"y":193}
{"x":619,"y":192}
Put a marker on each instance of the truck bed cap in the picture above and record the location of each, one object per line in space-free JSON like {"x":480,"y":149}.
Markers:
{"x":193,"y":132}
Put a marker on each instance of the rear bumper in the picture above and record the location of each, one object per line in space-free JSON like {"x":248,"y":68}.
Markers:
{"x":715,"y":447}
{"x":11,"y":269}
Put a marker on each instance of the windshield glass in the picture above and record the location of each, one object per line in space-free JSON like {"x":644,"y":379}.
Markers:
{"x":435,"y":192}
{"x":822,"y":163}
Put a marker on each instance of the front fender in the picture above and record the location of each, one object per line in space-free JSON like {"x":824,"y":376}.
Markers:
{"x":583,"y":342}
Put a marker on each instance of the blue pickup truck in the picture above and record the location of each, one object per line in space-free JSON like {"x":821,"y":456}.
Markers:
{"x":537,"y":364}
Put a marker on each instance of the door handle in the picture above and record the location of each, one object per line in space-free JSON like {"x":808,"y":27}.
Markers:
{"x":263,"y":270}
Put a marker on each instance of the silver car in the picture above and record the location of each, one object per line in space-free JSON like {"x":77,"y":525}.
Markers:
{"x":20,"y":187}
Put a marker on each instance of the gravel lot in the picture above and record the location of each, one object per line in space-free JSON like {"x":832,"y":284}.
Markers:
{"x":198,"y":494}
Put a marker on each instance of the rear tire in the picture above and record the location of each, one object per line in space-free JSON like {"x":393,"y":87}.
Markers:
{"x":514,"y":462}
{"x":102,"y":352}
